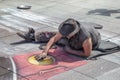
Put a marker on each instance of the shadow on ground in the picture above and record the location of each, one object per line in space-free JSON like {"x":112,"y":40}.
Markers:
{"x":104,"y":12}
{"x":118,"y":17}
{"x":20,"y":42}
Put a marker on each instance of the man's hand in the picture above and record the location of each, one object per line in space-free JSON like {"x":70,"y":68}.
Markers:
{"x":41,"y":56}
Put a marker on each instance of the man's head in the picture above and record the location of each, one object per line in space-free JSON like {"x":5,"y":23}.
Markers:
{"x":66,"y":29}
{"x":69,"y":28}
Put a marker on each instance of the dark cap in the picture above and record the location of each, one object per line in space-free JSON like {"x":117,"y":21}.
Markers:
{"x":69,"y":27}
{"x":66,"y":29}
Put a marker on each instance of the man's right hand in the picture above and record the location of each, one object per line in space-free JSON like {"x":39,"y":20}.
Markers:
{"x":41,"y":56}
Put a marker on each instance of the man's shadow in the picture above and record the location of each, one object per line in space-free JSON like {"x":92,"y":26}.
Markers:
{"x":118,"y":17}
{"x":20,"y":42}
{"x":104,"y":12}
{"x":26,"y":42}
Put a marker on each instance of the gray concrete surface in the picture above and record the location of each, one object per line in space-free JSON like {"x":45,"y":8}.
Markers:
{"x":46,"y":15}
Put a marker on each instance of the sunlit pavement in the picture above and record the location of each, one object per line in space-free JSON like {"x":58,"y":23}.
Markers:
{"x":46,"y":15}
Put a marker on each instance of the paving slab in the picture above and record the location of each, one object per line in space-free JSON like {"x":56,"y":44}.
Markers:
{"x":107,"y":34}
{"x":112,"y":75}
{"x":4,"y":33}
{"x":11,"y":39}
{"x":70,"y":75}
{"x":51,"y":29}
{"x":8,"y":49}
{"x":1,"y":30}
{"x":92,"y":3}
{"x":6,"y":28}
{"x":11,"y":48}
{"x":4,"y":63}
{"x":115,"y":39}
{"x":96,"y":68}
{"x":23,"y":19}
{"x":4,"y":73}
{"x":107,"y":25}
{"x":113,"y":57}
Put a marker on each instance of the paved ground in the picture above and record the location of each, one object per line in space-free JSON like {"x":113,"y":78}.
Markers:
{"x":46,"y":15}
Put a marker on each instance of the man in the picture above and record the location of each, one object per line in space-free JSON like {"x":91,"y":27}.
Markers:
{"x":81,"y":38}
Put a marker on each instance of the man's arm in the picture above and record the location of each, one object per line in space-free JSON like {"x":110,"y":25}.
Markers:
{"x":87,"y":48}
{"x":51,"y":42}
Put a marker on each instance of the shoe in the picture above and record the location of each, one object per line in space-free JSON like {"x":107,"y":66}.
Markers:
{"x":28,"y":36}
{"x":31,"y":30}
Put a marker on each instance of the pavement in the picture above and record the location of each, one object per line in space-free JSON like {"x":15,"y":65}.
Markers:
{"x":46,"y":15}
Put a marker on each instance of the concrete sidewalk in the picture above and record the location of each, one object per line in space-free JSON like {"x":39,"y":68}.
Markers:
{"x":46,"y":15}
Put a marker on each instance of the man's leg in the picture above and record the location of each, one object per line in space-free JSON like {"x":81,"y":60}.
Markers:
{"x":43,"y":37}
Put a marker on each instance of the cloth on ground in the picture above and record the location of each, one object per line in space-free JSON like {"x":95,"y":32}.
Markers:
{"x":105,"y":48}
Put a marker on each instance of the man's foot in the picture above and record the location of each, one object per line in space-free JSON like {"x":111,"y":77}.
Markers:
{"x":28,"y":36}
{"x":31,"y":30}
